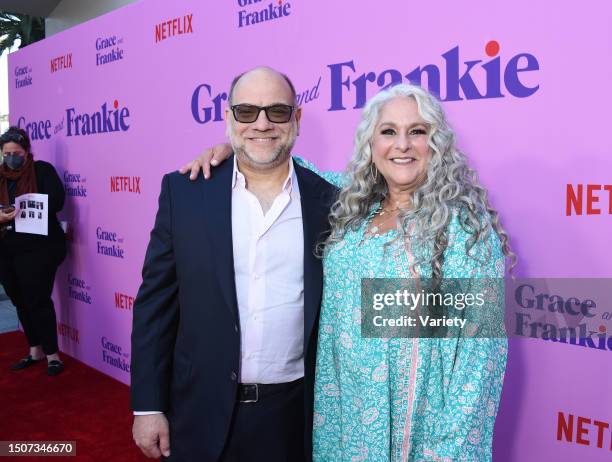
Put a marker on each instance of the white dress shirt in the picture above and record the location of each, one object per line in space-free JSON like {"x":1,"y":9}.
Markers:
{"x":269,"y":275}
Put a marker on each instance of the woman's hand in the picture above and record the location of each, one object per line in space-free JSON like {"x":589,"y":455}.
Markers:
{"x":7,"y":216}
{"x":212,"y":156}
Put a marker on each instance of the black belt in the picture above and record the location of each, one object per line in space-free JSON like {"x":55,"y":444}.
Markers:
{"x":253,"y":392}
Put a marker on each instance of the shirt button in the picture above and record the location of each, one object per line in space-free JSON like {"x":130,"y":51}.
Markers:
{"x":236,"y":327}
{"x":256,"y":276}
{"x":234,"y":376}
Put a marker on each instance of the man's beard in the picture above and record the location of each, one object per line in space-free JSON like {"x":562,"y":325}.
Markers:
{"x":277,"y":157}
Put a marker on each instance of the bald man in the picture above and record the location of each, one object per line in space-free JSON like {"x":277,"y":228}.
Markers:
{"x":225,"y":321}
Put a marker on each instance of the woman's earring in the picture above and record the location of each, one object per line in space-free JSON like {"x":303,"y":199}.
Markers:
{"x":374,"y":172}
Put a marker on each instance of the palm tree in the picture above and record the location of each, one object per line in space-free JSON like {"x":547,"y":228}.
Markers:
{"x":29,"y":29}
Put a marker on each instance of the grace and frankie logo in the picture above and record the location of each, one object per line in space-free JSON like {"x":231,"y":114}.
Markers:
{"x":453,"y":78}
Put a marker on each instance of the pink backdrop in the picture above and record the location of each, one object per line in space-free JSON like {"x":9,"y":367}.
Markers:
{"x":545,"y":75}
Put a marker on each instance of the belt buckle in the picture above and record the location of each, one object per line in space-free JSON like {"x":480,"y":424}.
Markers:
{"x":252,"y":386}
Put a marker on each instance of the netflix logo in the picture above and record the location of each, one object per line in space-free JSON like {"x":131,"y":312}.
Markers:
{"x":129,"y":184}
{"x":123,"y":301}
{"x":69,"y":332}
{"x":588,"y":199}
{"x":584,"y":431}
{"x":172,"y":27}
{"x":61,"y":62}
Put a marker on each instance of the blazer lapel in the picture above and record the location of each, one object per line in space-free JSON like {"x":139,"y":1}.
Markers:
{"x":217,"y":198}
{"x":314,"y":221}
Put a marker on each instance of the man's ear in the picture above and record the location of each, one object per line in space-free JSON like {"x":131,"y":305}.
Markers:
{"x":227,"y":116}
{"x":298,"y":116}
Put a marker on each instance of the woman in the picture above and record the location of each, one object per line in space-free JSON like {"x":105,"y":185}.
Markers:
{"x":28,"y":262}
{"x":409,"y":207}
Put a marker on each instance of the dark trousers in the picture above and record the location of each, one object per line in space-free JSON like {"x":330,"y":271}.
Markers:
{"x":28,"y":281}
{"x":270,"y":430}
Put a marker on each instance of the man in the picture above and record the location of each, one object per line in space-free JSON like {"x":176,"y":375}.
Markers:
{"x":225,"y":321}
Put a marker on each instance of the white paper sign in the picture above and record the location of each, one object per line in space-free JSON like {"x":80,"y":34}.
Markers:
{"x":32,"y":214}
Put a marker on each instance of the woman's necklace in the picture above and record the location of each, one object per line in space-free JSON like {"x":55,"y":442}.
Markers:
{"x":398,"y":206}
{"x":374,"y":230}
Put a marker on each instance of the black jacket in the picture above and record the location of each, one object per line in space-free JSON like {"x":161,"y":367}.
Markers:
{"x":186,"y":333}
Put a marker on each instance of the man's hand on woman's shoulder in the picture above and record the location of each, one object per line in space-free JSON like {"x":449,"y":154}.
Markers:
{"x":211,"y":157}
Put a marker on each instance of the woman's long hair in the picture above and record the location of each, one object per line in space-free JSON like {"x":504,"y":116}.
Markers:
{"x":450,"y":186}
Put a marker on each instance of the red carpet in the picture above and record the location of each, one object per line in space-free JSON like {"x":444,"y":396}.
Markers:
{"x":81,"y":405}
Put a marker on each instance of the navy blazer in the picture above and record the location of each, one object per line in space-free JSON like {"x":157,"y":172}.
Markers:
{"x":186,"y":333}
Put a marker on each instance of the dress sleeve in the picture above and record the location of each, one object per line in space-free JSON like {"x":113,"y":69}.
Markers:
{"x":459,"y":424}
{"x":338,"y":179}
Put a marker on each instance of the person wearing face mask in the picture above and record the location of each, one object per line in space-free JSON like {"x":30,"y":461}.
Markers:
{"x":28,"y":262}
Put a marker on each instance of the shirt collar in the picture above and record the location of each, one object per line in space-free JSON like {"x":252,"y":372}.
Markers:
{"x":239,"y":179}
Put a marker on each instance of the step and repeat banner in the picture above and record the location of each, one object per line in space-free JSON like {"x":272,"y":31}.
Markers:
{"x":117,"y":102}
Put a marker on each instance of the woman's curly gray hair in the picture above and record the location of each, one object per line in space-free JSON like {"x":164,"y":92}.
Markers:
{"x":450,"y":186}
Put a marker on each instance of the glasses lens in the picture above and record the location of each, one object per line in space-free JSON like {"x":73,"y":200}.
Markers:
{"x":246,"y":113}
{"x":279,"y":113}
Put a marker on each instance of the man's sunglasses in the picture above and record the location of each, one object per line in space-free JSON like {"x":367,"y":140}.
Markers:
{"x":248,"y":113}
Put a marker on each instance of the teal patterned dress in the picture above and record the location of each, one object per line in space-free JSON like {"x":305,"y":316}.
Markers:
{"x":401,"y":399}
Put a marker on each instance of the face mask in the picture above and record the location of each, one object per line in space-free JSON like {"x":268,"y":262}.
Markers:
{"x":14,"y":161}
